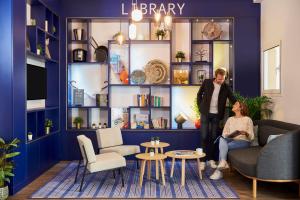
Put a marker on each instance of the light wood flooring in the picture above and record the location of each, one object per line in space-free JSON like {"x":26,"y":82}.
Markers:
{"x":242,"y":185}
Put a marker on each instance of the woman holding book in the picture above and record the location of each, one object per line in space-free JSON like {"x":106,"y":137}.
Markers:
{"x":237,"y":133}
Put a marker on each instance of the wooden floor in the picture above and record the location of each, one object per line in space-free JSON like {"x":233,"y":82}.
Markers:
{"x":242,"y":185}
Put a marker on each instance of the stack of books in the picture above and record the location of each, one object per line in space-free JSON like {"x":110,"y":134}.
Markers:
{"x":156,"y":101}
{"x":141,"y":100}
{"x":160,"y":123}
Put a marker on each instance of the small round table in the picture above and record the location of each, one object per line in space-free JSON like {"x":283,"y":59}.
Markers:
{"x":184,"y":156}
{"x":146,"y":157}
{"x":160,"y":146}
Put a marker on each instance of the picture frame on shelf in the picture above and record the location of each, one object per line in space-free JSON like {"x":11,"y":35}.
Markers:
{"x":201,"y":76}
{"x":181,"y":76}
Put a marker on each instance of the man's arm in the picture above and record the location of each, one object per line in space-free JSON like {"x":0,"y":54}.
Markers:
{"x":231,"y":97}
{"x":200,"y":94}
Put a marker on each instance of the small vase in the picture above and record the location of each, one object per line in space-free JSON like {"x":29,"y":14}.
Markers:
{"x":29,"y":137}
{"x":78,"y":125}
{"x":151,"y":153}
{"x":157,"y":142}
{"x":3,"y":193}
{"x":47,"y":130}
{"x":153,"y":143}
{"x":160,"y":37}
{"x":38,"y":52}
{"x":179,"y":59}
{"x":197,"y":123}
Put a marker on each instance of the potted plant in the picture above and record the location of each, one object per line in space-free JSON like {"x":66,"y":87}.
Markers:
{"x":48,"y":125}
{"x":53,"y":29}
{"x":152,"y":141}
{"x":6,"y":165}
{"x":93,"y":126}
{"x":160,"y":34}
{"x":39,"y":49}
{"x":180,"y":56}
{"x":29,"y":136}
{"x":157,"y":140}
{"x":196,"y":109}
{"x":78,"y":122}
{"x":151,"y":152}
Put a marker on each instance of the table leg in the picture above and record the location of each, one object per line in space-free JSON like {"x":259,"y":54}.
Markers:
{"x":146,"y":151}
{"x":172,"y":167}
{"x":183,"y":172}
{"x":149,"y":169}
{"x":142,"y":172}
{"x":162,"y":152}
{"x":199,"y":168}
{"x":156,"y":166}
{"x":162,"y":172}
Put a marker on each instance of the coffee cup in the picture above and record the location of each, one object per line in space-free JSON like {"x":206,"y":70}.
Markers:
{"x":199,"y":151}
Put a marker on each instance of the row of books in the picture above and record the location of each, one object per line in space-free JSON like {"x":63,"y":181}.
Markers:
{"x":156,"y":101}
{"x":142,"y":100}
{"x":160,"y":123}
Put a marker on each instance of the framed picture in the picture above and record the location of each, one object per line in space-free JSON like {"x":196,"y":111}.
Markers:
{"x":201,"y":76}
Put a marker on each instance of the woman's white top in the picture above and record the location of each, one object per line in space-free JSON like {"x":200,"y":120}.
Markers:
{"x":239,"y":124}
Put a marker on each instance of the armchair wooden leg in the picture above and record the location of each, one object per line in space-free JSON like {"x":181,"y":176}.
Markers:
{"x":79,"y":162}
{"x":83,"y":177}
{"x":122,"y":177}
{"x":254,"y":187}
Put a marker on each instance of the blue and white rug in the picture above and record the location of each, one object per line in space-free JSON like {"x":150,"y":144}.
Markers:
{"x":103,"y":185}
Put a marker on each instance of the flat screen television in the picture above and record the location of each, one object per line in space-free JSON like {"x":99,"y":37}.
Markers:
{"x":36,"y":82}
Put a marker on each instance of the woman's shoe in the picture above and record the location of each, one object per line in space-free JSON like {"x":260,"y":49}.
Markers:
{"x":223,"y":165}
{"x":216,"y":175}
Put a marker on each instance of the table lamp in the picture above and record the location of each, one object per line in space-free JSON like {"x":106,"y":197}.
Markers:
{"x":180,"y":119}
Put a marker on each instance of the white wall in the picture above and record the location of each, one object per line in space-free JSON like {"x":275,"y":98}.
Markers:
{"x":280,"y":21}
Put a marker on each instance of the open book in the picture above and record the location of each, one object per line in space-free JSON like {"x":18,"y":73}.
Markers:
{"x":234,"y":134}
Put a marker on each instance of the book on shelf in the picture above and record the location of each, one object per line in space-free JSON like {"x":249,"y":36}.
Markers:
{"x":156,"y":101}
{"x":160,"y":123}
{"x":115,"y":63}
{"x":141,"y":100}
{"x":140,"y":121}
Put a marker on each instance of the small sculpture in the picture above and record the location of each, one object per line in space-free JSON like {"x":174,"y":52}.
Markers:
{"x":201,"y":53}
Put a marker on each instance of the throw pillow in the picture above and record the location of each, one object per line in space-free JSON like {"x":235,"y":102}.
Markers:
{"x":272,"y":137}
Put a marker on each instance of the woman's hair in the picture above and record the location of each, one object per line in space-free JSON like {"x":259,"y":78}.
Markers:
{"x":244,"y":108}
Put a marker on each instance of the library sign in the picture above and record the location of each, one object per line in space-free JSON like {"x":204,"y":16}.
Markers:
{"x":151,"y":8}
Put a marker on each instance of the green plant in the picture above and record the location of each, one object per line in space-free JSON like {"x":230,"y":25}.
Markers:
{"x":151,"y":150}
{"x":78,"y":120}
{"x":53,"y":29}
{"x":196,"y":109}
{"x":156,"y":138}
{"x":160,"y":32}
{"x":48,"y":123}
{"x":257,"y":106}
{"x":152,"y":139}
{"x":6,"y":164}
{"x":39,"y":46}
{"x":29,"y":133}
{"x":180,"y":54}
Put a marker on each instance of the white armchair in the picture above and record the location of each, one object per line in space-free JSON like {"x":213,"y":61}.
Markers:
{"x":96,"y":163}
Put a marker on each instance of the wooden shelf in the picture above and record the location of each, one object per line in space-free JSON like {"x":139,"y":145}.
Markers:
{"x":42,"y":137}
{"x":209,"y":41}
{"x":42,"y":109}
{"x":41,"y":57}
{"x":150,"y":41}
{"x":88,"y":107}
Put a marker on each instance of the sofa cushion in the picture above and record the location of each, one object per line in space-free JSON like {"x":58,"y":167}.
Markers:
{"x":264,"y":131}
{"x":107,"y":161}
{"x":123,"y":150}
{"x":245,"y":160}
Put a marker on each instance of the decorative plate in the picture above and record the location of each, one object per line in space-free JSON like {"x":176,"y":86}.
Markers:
{"x":138,"y":77}
{"x":212,"y":30}
{"x":156,"y":72}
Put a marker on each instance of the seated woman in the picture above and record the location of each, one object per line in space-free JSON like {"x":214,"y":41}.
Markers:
{"x":237,"y":133}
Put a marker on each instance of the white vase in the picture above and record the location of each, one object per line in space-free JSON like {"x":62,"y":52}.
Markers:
{"x":47,"y":130}
{"x":3,"y":193}
{"x":153,"y":143}
{"x":29,"y":137}
{"x":38,"y":52}
{"x":160,"y":37}
{"x":179,"y":59}
{"x":157,"y":142}
{"x":151,"y":153}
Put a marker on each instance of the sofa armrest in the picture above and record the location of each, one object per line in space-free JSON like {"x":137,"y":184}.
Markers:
{"x":280,"y":158}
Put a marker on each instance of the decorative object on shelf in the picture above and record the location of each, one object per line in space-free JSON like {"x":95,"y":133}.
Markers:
{"x":156,"y":72}
{"x":104,"y":125}
{"x":136,"y":14}
{"x":99,"y":125}
{"x":166,"y":24}
{"x":79,"y":55}
{"x":78,"y":122}
{"x":180,"y":56}
{"x":78,"y":99}
{"x":101,"y":100}
{"x":53,"y":29}
{"x":160,"y":34}
{"x":201,"y":53}
{"x":78,"y":33}
{"x":47,"y":52}
{"x":199,"y":151}
{"x":181,"y":76}
{"x":197,"y":123}
{"x":212,"y":31}
{"x":141,"y":121}
{"x":196,"y":110}
{"x":46,"y":25}
{"x":157,"y":140}
{"x":48,"y":125}
{"x":39,"y":49}
{"x":132,"y":31}
{"x":160,"y":123}
{"x":152,"y":141}
{"x":180,"y":119}
{"x":93,"y":126}
{"x":119,"y":37}
{"x":28,"y":47}
{"x":33,"y":22}
{"x":124,"y":75}
{"x":201,"y":75}
{"x":151,"y":152}
{"x":101,"y":52}
{"x":115,"y":63}
{"x":6,"y":164}
{"x":29,"y":136}
{"x":168,"y":21}
{"x":138,"y":77}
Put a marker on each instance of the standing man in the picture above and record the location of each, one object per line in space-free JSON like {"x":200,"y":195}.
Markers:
{"x":211,"y":100}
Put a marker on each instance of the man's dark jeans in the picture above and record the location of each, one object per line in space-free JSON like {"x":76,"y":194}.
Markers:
{"x":209,"y":133}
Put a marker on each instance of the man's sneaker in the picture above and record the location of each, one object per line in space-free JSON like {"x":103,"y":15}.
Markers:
{"x":212,"y":164}
{"x":223,"y":165}
{"x":216,"y":175}
{"x":202,"y":166}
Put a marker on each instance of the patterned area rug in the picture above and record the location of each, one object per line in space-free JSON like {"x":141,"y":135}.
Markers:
{"x":103,"y":185}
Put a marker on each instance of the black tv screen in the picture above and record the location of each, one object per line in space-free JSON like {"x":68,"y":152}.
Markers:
{"x":36,"y":82}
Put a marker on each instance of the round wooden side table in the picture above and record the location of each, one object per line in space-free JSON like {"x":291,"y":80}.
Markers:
{"x":145,"y":157}
{"x":184,"y":155}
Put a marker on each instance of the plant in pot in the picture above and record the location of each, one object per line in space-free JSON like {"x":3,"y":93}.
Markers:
{"x":152,"y":141}
{"x":160,"y":34}
{"x":157,"y":140}
{"x":196,"y":110}
{"x":29,"y":136}
{"x":151,"y":152}
{"x":93,"y":126}
{"x":39,"y":49}
{"x":180,"y":56}
{"x":6,"y":164}
{"x":48,"y":125}
{"x":78,"y":122}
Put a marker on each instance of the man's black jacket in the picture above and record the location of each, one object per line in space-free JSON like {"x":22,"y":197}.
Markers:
{"x":205,"y":93}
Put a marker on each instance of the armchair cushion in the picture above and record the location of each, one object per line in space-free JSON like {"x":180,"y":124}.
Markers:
{"x":107,"y":161}
{"x":245,"y":160}
{"x":89,"y":149}
{"x":123,"y":150}
{"x":109,"y":137}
